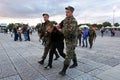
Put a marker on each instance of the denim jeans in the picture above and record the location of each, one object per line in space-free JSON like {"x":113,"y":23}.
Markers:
{"x":84,"y":40}
{"x":25,"y":35}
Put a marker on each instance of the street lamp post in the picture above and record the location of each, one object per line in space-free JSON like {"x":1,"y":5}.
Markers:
{"x":114,"y":8}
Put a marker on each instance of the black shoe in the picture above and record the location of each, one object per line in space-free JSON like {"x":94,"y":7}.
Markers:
{"x":90,"y":47}
{"x":62,"y":73}
{"x":56,"y":57}
{"x":83,"y":46}
{"x":73,"y":66}
{"x":41,"y":62}
{"x":48,"y":66}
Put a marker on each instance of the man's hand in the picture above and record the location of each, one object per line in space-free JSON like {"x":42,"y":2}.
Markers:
{"x":58,"y":28}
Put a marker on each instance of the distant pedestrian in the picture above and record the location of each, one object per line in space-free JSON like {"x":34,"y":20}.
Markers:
{"x":15,"y":33}
{"x":84,"y":37}
{"x":102,"y":32}
{"x":19,"y":31}
{"x":25,"y":33}
{"x":79,"y":36}
{"x":112,"y":32}
{"x":92,"y":36}
{"x":28,"y":33}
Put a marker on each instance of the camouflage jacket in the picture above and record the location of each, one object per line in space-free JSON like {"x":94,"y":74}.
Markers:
{"x":92,"y":34}
{"x":43,"y":32}
{"x":70,"y":28}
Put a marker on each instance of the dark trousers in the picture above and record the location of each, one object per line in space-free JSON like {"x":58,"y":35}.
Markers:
{"x":59,"y":47}
{"x":79,"y":38}
{"x":46,"y":50}
{"x":28,"y":37}
{"x":15,"y":36}
{"x":91,"y":42}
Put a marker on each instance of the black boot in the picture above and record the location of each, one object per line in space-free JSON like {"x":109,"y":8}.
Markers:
{"x":90,"y":47}
{"x":74,"y":63}
{"x":56,"y":54}
{"x":41,"y":62}
{"x":56,"y":57}
{"x":63,"y":72}
{"x":48,"y":66}
{"x":83,"y":46}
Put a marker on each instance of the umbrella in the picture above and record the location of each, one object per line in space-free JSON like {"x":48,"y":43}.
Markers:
{"x":107,"y":27}
{"x":84,"y":26}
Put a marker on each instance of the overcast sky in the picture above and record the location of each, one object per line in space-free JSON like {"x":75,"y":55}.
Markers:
{"x":86,"y":11}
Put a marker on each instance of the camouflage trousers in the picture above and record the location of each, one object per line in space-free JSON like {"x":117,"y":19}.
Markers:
{"x":79,"y":38}
{"x":70,"y":52}
{"x":91,"y":41}
{"x":46,"y":50}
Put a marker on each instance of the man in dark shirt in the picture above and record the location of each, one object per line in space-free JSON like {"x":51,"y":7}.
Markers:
{"x":24,"y":30}
{"x":15,"y":33}
{"x":46,"y":36}
{"x":56,"y":42}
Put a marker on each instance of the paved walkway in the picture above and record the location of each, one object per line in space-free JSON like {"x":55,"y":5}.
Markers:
{"x":18,"y":61}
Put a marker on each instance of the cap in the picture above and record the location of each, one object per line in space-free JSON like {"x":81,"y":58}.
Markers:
{"x":45,"y":14}
{"x":70,"y":8}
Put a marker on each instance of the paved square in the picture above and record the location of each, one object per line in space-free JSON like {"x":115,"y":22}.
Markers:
{"x":18,"y":61}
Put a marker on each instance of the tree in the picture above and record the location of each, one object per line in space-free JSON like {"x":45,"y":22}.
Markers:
{"x":94,"y":25}
{"x":10,"y":26}
{"x":105,"y":24}
{"x":99,"y":26}
{"x":116,"y":24}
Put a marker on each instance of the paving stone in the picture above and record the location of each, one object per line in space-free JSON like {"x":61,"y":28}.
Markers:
{"x":112,"y":62}
{"x":90,"y":62}
{"x":85,"y":67}
{"x":6,"y":69}
{"x":112,"y":74}
{"x":56,"y":76}
{"x":106,"y":67}
{"x":74,"y":72}
{"x":86,"y":77}
{"x":95,"y":72}
{"x":15,"y":77}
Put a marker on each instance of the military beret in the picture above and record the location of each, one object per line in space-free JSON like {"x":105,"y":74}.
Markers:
{"x":70,"y":8}
{"x":46,"y":14}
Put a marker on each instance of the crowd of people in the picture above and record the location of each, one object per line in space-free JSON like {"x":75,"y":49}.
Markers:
{"x":18,"y":31}
{"x":86,"y":35}
{"x":54,"y":37}
{"x":103,"y":31}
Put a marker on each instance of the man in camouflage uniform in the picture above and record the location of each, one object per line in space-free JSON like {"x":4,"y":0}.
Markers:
{"x":79,"y":36}
{"x":92,"y":36}
{"x":70,"y":33}
{"x":46,"y":36}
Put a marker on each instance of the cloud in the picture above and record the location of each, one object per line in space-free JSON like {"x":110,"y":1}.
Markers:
{"x":92,"y":9}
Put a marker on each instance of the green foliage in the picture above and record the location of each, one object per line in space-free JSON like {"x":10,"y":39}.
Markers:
{"x":10,"y":26}
{"x":105,"y":24}
{"x":116,"y":24}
